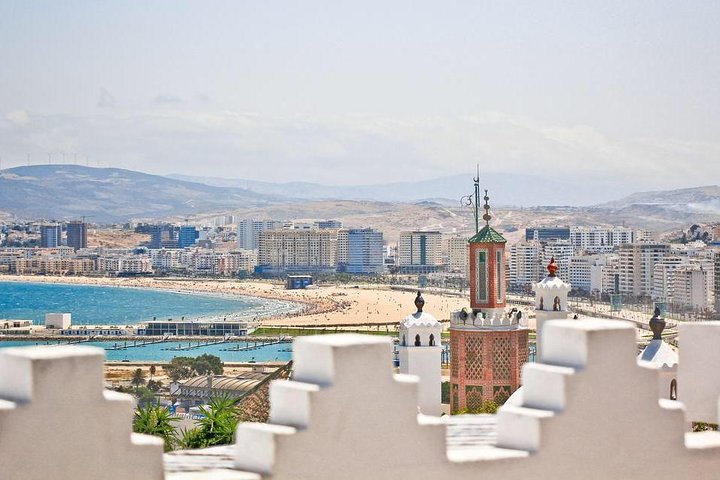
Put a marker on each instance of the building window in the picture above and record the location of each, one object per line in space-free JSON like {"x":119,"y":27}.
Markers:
{"x":481,"y":274}
{"x":417,"y":340}
{"x":499,"y":273}
{"x":673,"y":389}
{"x":432,"y":340}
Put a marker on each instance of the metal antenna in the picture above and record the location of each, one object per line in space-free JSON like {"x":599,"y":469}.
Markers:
{"x":474,"y":199}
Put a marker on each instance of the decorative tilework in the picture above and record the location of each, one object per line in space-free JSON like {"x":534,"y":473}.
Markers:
{"x":473,"y":357}
{"x":501,"y":359}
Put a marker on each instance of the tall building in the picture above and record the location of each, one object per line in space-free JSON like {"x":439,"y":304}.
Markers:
{"x":163,"y":236}
{"x":487,"y":344}
{"x":50,"y":235}
{"x":716,"y":281}
{"x":689,"y":287}
{"x":637,"y":264}
{"x":343,"y":246}
{"x":297,"y":251}
{"x":458,"y":254}
{"x":187,"y":236}
{"x":248,"y":232}
{"x":76,"y":234}
{"x":365,"y":251}
{"x":544,"y":234}
{"x":600,"y":239}
{"x":419,"y":252}
{"x":562,"y":251}
{"x":525,"y":263}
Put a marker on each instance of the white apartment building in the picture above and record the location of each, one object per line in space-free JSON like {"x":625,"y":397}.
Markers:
{"x":458,"y":254}
{"x":663,"y":277}
{"x":525,"y":263}
{"x":600,"y":239}
{"x":689,"y":287}
{"x":233,"y":263}
{"x":343,"y":246}
{"x":562,"y":251}
{"x":420,"y":251}
{"x":248,"y":232}
{"x":312,"y":250}
{"x":636,"y":269}
{"x":165,"y":259}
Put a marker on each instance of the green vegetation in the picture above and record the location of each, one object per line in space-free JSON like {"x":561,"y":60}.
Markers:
{"x":155,"y":420}
{"x":138,"y":378}
{"x":487,"y":407}
{"x":180,"y":368}
{"x":217,"y":427}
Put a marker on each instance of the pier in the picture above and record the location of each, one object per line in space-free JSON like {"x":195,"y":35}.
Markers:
{"x":255,"y":346}
{"x":199,"y":344}
{"x":135,"y":343}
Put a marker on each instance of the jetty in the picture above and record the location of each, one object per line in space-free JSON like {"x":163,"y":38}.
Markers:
{"x":254,"y":346}
{"x":137,"y":343}
{"x":199,"y":344}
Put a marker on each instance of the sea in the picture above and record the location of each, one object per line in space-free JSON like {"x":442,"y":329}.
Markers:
{"x":103,"y":305}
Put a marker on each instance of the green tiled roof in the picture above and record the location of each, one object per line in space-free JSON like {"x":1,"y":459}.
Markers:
{"x":487,"y":235}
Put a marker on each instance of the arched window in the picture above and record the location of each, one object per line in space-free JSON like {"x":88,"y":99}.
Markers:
{"x":556,"y":304}
{"x":542,"y":304}
{"x":403,"y":341}
{"x":417,"y":340}
{"x":432,"y":340}
{"x":673,"y":389}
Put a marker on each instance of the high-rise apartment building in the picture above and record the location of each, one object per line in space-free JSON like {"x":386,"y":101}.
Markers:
{"x":365,"y":251}
{"x":458,"y":254}
{"x":50,"y":235}
{"x":420,"y":251}
{"x":248,"y":232}
{"x":689,"y":287}
{"x":297,"y":251}
{"x":637,"y":264}
{"x":562,"y":251}
{"x":600,"y":239}
{"x":76,"y":234}
{"x":525,"y":263}
{"x":328,"y":224}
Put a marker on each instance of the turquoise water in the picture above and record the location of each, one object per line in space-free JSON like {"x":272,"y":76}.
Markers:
{"x":159,"y":352}
{"x":96,"y":305}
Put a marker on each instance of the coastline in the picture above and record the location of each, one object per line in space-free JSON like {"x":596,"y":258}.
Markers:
{"x":351,"y":305}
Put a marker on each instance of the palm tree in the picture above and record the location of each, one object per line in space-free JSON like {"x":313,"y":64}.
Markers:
{"x":138,"y":378}
{"x":156,"y":420}
{"x":152,"y":371}
{"x":217,"y":427}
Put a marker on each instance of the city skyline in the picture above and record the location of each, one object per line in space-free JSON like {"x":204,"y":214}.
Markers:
{"x":609,"y":93}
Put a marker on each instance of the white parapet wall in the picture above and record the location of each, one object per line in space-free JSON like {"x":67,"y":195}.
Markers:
{"x":57,"y":422}
{"x":588,"y":412}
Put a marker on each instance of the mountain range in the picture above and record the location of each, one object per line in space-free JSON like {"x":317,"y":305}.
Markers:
{"x":112,"y":195}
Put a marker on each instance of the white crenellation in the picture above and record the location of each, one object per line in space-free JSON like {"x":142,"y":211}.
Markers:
{"x":57,"y":421}
{"x":589,"y":411}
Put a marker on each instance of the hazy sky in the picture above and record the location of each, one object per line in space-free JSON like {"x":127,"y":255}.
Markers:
{"x":623,"y":93}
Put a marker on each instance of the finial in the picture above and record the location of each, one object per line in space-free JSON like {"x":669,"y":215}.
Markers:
{"x":552,"y":267}
{"x":657,"y":324}
{"x":487,"y":216}
{"x":419,"y":302}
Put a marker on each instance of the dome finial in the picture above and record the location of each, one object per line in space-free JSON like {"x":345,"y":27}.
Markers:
{"x":419,"y":302}
{"x":657,"y":324}
{"x":552,"y":268}
{"x":487,"y":216}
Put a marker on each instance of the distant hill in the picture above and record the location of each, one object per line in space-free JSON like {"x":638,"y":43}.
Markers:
{"x":697,"y":200}
{"x":508,"y":189}
{"x":110,"y":194}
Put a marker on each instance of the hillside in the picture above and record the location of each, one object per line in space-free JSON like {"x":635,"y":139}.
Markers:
{"x":110,"y":194}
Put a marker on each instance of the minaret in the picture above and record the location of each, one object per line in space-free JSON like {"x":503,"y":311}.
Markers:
{"x":420,"y":352}
{"x":488,"y":346}
{"x":550,"y":302}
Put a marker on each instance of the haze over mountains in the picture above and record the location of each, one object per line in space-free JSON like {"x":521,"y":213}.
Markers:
{"x":107,"y":195}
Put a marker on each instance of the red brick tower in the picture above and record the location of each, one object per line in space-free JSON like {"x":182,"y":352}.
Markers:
{"x":487,"y":344}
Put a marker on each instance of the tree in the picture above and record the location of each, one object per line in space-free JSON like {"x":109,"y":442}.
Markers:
{"x":154,"y":385}
{"x":216,"y":427}
{"x":138,"y":378}
{"x":156,"y":420}
{"x":152,"y":371}
{"x":179,"y":368}
{"x":209,"y":364}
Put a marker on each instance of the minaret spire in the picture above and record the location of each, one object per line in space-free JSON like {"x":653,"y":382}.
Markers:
{"x":487,"y":216}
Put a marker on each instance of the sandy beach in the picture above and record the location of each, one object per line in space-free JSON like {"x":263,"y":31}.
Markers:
{"x":323,"y":305}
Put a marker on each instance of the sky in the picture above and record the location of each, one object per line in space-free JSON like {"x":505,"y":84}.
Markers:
{"x":618,"y":94}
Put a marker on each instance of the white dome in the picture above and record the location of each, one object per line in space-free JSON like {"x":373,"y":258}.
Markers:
{"x":420,"y":319}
